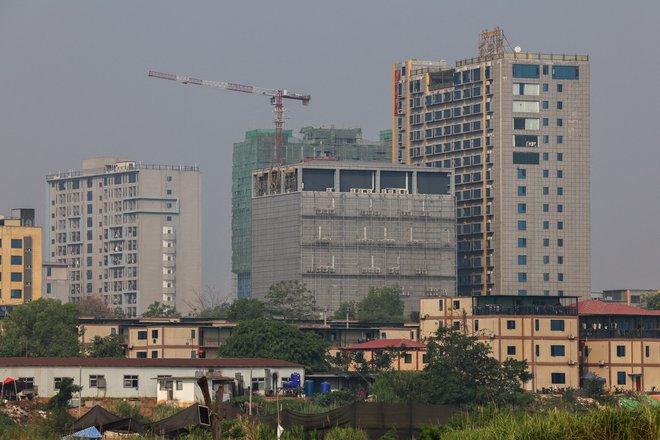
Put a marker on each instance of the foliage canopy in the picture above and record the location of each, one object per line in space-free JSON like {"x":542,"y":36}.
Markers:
{"x":262,"y":338}
{"x":291,"y":301}
{"x":160,"y":310}
{"x":381,"y":305}
{"x":41,"y":328}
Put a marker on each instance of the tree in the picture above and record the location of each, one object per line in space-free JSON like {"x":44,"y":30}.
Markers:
{"x":93,"y":306}
{"x":66,"y":388}
{"x":651,"y":301}
{"x":346,"y":309}
{"x":291,"y":301}
{"x":160,"y":310}
{"x":261,"y":338}
{"x":41,"y":328}
{"x":398,"y":386}
{"x":245,"y":309}
{"x":107,"y":347}
{"x":207,"y":303}
{"x":381,"y":305}
{"x":461,"y":370}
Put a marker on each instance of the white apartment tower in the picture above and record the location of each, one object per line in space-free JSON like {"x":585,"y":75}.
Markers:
{"x":515,"y":129}
{"x":129,"y":232}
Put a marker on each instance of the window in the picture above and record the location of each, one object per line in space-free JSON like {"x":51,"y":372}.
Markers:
{"x":522,"y":173}
{"x":97,"y":381}
{"x":565,"y":72}
{"x":16,"y":260}
{"x":546,"y":277}
{"x":525,"y":123}
{"x":407,"y":358}
{"x":620,"y":350}
{"x":546,"y":156}
{"x":647,"y":350}
{"x":29,"y":382}
{"x":526,"y":106}
{"x":16,"y":243}
{"x":522,"y":190}
{"x":558,"y":378}
{"x":545,"y":122}
{"x":560,"y":277}
{"x":17,"y":276}
{"x":57,"y":381}
{"x":522,"y":277}
{"x":560,"y":174}
{"x":560,"y":122}
{"x":524,"y":140}
{"x":526,"y":71}
{"x":560,"y":157}
{"x":522,"y":242}
{"x":620,"y":377}
{"x":557,"y":325}
{"x":130,"y":381}
{"x":536,"y":325}
{"x":525,"y":158}
{"x":560,"y":208}
{"x":560,"y":105}
{"x":546,"y":207}
{"x":169,"y":178}
{"x":522,"y":208}
{"x":560,"y":242}
{"x":522,"y":260}
{"x":537,"y":350}
{"x":546,"y":105}
{"x":511,"y":350}
{"x":546,"y":242}
{"x":142,"y":334}
{"x":179,"y":385}
{"x":16,"y":294}
{"x":546,"y":87}
{"x":560,"y":88}
{"x":546,"y":190}
{"x":546,"y":259}
{"x":560,"y":139}
{"x":154,"y":354}
{"x":154,"y":334}
{"x":142,"y":354}
{"x":560,"y":226}
{"x":510,"y":324}
{"x":546,"y":139}
{"x":522,"y":225}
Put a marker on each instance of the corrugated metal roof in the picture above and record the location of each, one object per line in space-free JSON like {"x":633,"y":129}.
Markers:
{"x":125,"y":362}
{"x":597,"y":307}
{"x":387,"y":343}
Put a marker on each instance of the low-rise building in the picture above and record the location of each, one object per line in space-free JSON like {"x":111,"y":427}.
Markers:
{"x":620,"y":344}
{"x":121,"y":378}
{"x":20,"y":259}
{"x":400,"y":354}
{"x":541,"y":330}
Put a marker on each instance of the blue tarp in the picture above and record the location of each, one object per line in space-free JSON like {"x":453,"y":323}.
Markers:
{"x":90,"y":432}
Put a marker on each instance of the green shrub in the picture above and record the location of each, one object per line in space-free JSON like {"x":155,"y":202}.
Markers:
{"x":124,"y":408}
{"x":334,"y":399}
{"x":346,"y":434}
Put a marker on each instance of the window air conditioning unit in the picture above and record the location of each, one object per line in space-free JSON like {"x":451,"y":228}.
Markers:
{"x":571,"y":337}
{"x":571,"y":362}
{"x":601,"y":363}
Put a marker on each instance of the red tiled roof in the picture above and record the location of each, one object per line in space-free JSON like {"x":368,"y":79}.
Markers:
{"x":125,"y":362}
{"x":597,"y":307}
{"x":386,"y":343}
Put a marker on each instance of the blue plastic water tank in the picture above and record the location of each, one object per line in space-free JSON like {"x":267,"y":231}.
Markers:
{"x":325,"y":387}
{"x":309,"y":388}
{"x":295,"y":380}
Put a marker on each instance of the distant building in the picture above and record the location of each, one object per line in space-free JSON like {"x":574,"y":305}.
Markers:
{"x":20,"y":259}
{"x":55,"y":282}
{"x":257,"y":152}
{"x":620,"y":344}
{"x":342,"y":228}
{"x":515,"y":129}
{"x":541,"y":330}
{"x":631,"y":297}
{"x":404,"y":354}
{"x":129,"y":232}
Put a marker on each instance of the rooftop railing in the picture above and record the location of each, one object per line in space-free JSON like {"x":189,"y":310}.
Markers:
{"x":494,"y":309}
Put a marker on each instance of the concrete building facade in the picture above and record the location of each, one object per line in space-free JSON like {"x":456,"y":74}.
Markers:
{"x":20,"y":259}
{"x":515,"y":129}
{"x":257,"y":152}
{"x":543,"y":331}
{"x":344,"y":228}
{"x":129,"y":232}
{"x":55,"y":281}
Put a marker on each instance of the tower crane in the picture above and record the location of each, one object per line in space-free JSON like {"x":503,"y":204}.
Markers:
{"x":276,"y":98}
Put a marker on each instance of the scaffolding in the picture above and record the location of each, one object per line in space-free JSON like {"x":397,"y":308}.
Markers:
{"x":256,"y":152}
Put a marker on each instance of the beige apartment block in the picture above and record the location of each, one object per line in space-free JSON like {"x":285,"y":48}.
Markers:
{"x":540,"y":330}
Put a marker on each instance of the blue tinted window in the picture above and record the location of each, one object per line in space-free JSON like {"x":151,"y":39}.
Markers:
{"x":16,"y":259}
{"x":545,"y":122}
{"x":545,"y":105}
{"x":522,"y":225}
{"x":620,"y":377}
{"x":565,"y":72}
{"x":522,"y":190}
{"x":522,"y":208}
{"x":546,"y":224}
{"x":546,"y":207}
{"x":560,"y":88}
{"x":546,"y":156}
{"x":522,"y":260}
{"x":557,"y":350}
{"x":522,"y":242}
{"x":545,"y":70}
{"x":526,"y":71}
{"x":522,"y":173}
{"x":560,"y":105}
{"x":16,"y":293}
{"x":545,"y":87}
{"x":17,"y":276}
{"x":546,"y":139}
{"x":546,"y":242}
{"x":558,"y":378}
{"x":560,"y":157}
{"x":546,"y":259}
{"x":16,"y":243}
{"x":522,"y":277}
{"x":476,"y":74}
{"x":546,"y":173}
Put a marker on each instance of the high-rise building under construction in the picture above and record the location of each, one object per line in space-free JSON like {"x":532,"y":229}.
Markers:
{"x":257,"y":152}
{"x":515,"y":128}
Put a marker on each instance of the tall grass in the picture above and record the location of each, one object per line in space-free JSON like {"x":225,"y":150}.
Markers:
{"x":555,"y":424}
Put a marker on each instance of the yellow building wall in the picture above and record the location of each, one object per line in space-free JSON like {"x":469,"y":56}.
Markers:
{"x":399,"y":363}
{"x":7,"y":233}
{"x":89,"y":331}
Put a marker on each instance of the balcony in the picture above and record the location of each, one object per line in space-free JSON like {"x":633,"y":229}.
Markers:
{"x":551,"y":310}
{"x":619,"y":334}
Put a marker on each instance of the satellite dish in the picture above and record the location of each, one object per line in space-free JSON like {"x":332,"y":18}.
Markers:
{"x":517,"y":49}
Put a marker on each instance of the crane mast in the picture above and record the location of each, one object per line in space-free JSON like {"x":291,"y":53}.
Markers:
{"x":276,"y":99}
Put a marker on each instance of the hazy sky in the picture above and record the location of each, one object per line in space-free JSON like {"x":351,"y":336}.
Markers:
{"x":73,"y":84}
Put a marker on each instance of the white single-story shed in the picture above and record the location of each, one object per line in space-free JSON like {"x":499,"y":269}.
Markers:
{"x":123,"y":378}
